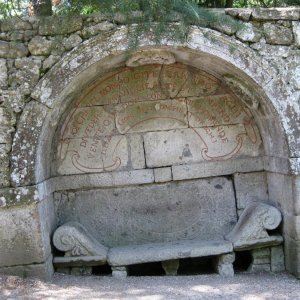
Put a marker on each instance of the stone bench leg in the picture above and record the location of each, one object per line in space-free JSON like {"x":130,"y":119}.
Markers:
{"x":261,"y":259}
{"x":170,"y":267}
{"x":119,"y":272}
{"x":223,"y":264}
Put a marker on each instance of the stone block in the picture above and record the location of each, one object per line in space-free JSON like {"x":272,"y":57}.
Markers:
{"x":98,"y":28}
{"x":59,"y":25}
{"x":15,"y":24}
{"x":267,"y":14}
{"x":92,"y":155}
{"x":50,"y":61}
{"x":12,"y":99}
{"x":137,"y":153}
{"x":21,"y":239}
{"x":223,"y":264}
{"x":72,"y":41}
{"x":24,"y":151}
{"x":102,"y":180}
{"x":199,"y":209}
{"x":3,"y":73}
{"x":291,"y":226}
{"x":292,"y":256}
{"x":119,"y":272}
{"x":12,"y":50}
{"x":40,"y":46}
{"x":43,"y":271}
{"x":216,"y":110}
{"x":219,"y":168}
{"x":89,"y":122}
{"x":282,"y":192}
{"x":7,"y":118}
{"x":28,"y":73}
{"x":296,"y":32}
{"x":248,"y":34}
{"x":277,"y":259}
{"x":277,"y":35}
{"x":151,"y":115}
{"x":250,"y":187}
{"x":184,"y":146}
{"x":163,"y":174}
{"x":18,"y":196}
{"x":136,"y":254}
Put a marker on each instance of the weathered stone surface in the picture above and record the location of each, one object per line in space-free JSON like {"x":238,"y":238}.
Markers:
{"x":198,"y":144}
{"x":248,"y":34}
{"x":201,"y":209}
{"x":102,"y":180}
{"x":50,"y":61}
{"x":12,"y":99}
{"x":14,"y":24}
{"x":291,"y":226}
{"x":12,"y":49}
{"x":217,"y":168}
{"x":43,"y":271}
{"x":40,"y":46}
{"x":264,"y":14}
{"x":61,"y":262}
{"x":72,"y":41}
{"x":28,"y":73}
{"x":223,"y":264}
{"x":163,"y":174}
{"x":151,"y":116}
{"x":73,"y":239}
{"x":21,"y":239}
{"x":3,"y":73}
{"x":95,"y":29}
{"x":250,"y":187}
{"x":261,"y":259}
{"x":93,"y":155}
{"x":296,"y":32}
{"x":251,"y":229}
{"x":280,"y":187}
{"x":136,"y":254}
{"x":19,"y":196}
{"x":241,"y":13}
{"x":148,"y":57}
{"x":277,"y":259}
{"x":137,"y":154}
{"x":24,"y":149}
{"x":292,"y":255}
{"x":119,"y":272}
{"x":59,"y":25}
{"x":277,"y":34}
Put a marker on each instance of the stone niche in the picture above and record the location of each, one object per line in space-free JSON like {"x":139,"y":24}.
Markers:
{"x":168,"y":121}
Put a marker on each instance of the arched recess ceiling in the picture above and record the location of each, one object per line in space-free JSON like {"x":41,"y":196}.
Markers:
{"x":250,"y":78}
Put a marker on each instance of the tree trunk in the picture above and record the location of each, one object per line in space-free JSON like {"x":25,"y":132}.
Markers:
{"x":229,"y":3}
{"x":42,"y":7}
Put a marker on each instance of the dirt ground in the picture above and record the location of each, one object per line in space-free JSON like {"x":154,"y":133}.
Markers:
{"x":241,"y":286}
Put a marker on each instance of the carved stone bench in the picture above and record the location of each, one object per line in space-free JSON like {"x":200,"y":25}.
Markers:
{"x":169,"y":254}
{"x":250,"y":233}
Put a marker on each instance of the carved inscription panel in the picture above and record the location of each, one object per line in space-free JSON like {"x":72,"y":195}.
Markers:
{"x":180,"y":115}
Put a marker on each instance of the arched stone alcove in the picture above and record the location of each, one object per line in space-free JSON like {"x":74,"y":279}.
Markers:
{"x":221,"y":111}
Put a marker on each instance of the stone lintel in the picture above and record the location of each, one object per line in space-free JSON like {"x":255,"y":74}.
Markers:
{"x":102,"y":180}
{"x":217,"y":168}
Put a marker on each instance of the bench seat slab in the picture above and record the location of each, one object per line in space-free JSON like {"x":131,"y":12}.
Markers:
{"x":155,"y":252}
